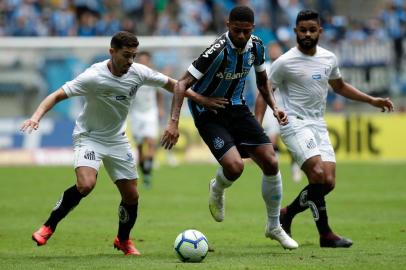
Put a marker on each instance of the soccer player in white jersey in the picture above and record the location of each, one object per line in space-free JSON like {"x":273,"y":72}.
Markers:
{"x":145,"y":113}
{"x":303,"y":75}
{"x":270,"y":123}
{"x":108,"y":88}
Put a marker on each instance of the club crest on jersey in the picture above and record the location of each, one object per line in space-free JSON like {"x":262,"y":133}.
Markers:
{"x":310,"y":144}
{"x":133,"y":90}
{"x":218,"y":143}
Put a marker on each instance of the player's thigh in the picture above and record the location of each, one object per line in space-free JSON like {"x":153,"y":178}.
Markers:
{"x":88,"y":154}
{"x":264,"y":155}
{"x":324,"y":144}
{"x":216,"y":136}
{"x":120,"y":162}
{"x":300,"y":141}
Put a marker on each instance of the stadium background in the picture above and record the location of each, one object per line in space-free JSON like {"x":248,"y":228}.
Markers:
{"x":45,"y":43}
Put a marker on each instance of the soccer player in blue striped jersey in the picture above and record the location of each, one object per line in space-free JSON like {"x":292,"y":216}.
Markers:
{"x":231,"y":131}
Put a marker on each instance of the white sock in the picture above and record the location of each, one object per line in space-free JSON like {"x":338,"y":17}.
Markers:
{"x":221,"y":182}
{"x":272,"y":195}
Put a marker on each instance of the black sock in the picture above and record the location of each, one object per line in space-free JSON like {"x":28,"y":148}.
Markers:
{"x":299,"y":204}
{"x":70,"y":198}
{"x":146,"y":166}
{"x":127,"y":214}
{"x":317,"y":204}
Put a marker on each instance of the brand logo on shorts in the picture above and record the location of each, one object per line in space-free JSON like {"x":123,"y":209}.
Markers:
{"x":89,"y":155}
{"x":218,"y":143}
{"x":310,"y":144}
{"x":130,"y":157}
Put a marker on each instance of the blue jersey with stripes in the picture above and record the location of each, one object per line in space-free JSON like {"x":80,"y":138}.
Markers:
{"x":221,"y":70}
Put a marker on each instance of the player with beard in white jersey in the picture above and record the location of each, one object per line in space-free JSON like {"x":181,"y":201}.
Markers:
{"x":303,"y":75}
{"x":145,"y":113}
{"x":270,"y":123}
{"x":108,"y":89}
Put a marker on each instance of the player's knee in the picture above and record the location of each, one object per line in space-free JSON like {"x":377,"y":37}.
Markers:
{"x":131,"y":198}
{"x":329,"y":185}
{"x":271,"y":166}
{"x":234,"y":169}
{"x":86,"y":188}
{"x":316,"y":175}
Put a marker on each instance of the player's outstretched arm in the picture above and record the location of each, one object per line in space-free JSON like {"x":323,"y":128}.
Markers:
{"x":349,"y":91}
{"x":46,"y":104}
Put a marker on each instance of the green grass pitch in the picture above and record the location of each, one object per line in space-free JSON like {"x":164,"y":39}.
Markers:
{"x":368,"y":206}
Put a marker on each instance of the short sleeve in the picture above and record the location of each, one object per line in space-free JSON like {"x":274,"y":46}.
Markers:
{"x":335,"y":71}
{"x":152,"y":77}
{"x":81,"y":85}
{"x":259,"y":63}
{"x":276,"y":74}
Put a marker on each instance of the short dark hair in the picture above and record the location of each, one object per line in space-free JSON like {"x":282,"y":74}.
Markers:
{"x":306,"y":15}
{"x":242,"y":14}
{"x":123,"y":39}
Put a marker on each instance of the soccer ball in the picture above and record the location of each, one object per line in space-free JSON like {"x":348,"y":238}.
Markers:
{"x":191,"y":246}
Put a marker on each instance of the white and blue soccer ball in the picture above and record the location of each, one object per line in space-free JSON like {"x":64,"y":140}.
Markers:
{"x":191,"y":246}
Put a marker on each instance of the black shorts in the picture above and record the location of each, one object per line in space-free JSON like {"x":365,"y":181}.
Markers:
{"x":234,"y":125}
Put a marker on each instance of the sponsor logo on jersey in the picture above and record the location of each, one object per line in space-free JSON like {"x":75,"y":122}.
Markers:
{"x":213,"y":48}
{"x":218,"y":143}
{"x":89,"y":155}
{"x":316,"y":77}
{"x":231,"y":76}
{"x":121,"y":97}
{"x":310,"y":143}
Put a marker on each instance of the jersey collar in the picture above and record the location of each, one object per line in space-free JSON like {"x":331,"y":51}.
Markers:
{"x":247,"y":46}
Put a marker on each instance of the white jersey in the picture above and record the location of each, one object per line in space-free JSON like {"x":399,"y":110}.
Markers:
{"x":108,"y":98}
{"x":303,"y":81}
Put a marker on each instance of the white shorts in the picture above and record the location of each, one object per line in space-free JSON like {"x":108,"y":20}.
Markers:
{"x":270,"y":123}
{"x":118,"y":158}
{"x":307,"y":138}
{"x":144,"y":125}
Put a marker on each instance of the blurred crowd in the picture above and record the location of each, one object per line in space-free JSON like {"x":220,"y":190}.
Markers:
{"x":275,"y":18}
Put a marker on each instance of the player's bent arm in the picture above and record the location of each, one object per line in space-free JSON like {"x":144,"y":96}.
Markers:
{"x":347,"y":90}
{"x":265,"y":89}
{"x":46,"y":104}
{"x":260,"y":108}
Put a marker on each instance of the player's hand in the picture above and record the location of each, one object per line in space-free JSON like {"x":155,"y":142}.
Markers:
{"x":29,"y":125}
{"x":384,"y":103}
{"x":170,"y":135}
{"x":213,"y":103}
{"x":281,"y":116}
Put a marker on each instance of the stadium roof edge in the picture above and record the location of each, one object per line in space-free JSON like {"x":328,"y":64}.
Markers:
{"x":102,"y":42}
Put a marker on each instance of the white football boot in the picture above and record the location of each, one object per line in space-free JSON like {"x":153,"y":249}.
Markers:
{"x":216,"y":203}
{"x":282,"y":237}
